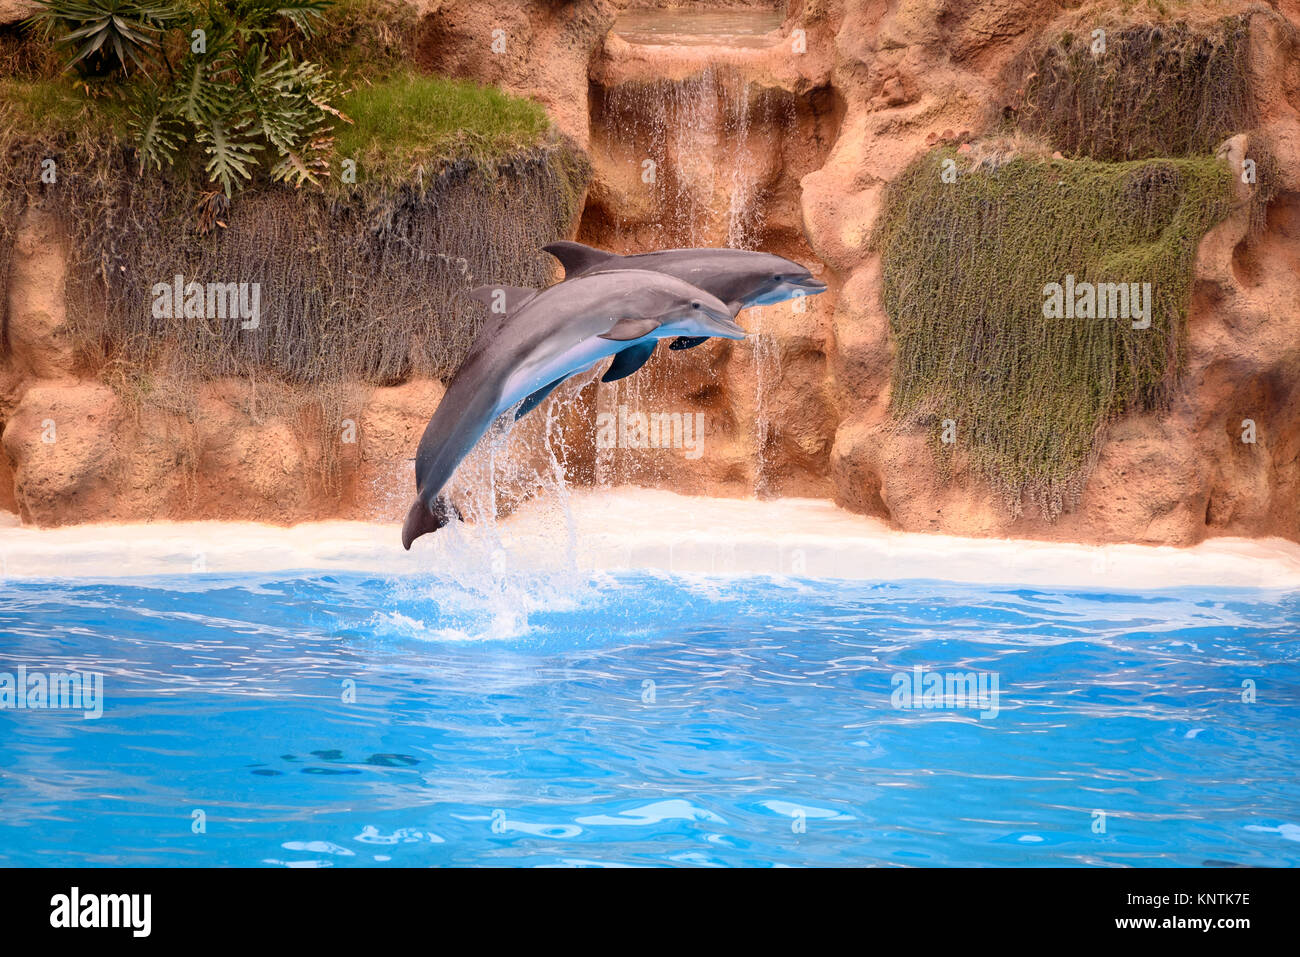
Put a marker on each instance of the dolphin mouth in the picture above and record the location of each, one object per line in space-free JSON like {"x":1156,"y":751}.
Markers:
{"x":812,"y":286}
{"x":726,"y":326}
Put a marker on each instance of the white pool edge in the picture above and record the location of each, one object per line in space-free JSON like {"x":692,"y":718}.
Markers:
{"x":637,"y":529}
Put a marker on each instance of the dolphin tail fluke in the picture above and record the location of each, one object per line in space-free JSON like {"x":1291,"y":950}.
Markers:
{"x":422,"y":519}
{"x":577,"y":258}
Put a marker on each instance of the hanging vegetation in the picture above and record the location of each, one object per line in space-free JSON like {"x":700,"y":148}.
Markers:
{"x":436,"y":186}
{"x":1138,"y":91}
{"x":968,"y":267}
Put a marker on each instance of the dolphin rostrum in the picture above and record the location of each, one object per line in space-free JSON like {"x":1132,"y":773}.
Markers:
{"x":533,"y":341}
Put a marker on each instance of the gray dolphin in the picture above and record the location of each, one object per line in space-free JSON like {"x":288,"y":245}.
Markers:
{"x":739,"y":277}
{"x":532,"y":342}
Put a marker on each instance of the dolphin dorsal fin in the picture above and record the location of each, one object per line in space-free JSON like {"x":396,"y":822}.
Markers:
{"x":502,"y":300}
{"x":577,"y":258}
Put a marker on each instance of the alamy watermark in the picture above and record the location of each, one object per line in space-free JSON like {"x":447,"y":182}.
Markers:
{"x":61,"y":690}
{"x":76,"y":909}
{"x":654,"y":430}
{"x":921,"y":689}
{"x":1103,"y":300}
{"x":214,"y":300}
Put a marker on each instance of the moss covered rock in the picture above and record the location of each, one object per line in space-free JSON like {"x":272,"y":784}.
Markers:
{"x":991,"y":280}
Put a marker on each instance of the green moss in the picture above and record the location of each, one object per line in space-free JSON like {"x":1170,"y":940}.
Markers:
{"x":404,"y":128}
{"x":965,"y":266}
{"x":410,"y":120}
{"x":55,"y":108}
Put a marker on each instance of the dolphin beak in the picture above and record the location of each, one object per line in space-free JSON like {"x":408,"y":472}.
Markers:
{"x":726,"y":326}
{"x":812,"y":286}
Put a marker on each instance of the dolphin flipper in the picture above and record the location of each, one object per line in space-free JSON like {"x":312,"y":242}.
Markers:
{"x":577,"y":258}
{"x":625,"y":330}
{"x":536,"y":399}
{"x":628,"y":361}
{"x":687,"y":342}
{"x":422,"y":519}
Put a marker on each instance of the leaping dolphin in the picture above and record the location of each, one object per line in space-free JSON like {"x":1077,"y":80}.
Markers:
{"x":535,"y":342}
{"x":739,"y":277}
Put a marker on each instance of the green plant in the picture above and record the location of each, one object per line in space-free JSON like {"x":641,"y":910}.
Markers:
{"x":1158,"y":89}
{"x":219,"y":78}
{"x":410,"y":119}
{"x":92,"y":29}
{"x":967,"y":262}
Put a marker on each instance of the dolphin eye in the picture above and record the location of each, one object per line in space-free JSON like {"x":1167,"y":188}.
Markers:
{"x":777,"y":277}
{"x":695,"y":305}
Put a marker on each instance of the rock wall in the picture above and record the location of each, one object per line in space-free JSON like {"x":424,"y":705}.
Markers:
{"x":916,"y":70}
{"x":803,"y":407}
{"x":807,"y":128}
{"x":12,"y":11}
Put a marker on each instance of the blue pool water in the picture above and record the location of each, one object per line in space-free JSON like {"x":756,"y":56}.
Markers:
{"x":647,"y":719}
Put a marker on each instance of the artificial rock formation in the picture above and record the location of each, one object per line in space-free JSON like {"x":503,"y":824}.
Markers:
{"x":789,"y":144}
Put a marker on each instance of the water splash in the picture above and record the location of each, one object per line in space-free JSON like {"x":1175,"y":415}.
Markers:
{"x":490,"y":581}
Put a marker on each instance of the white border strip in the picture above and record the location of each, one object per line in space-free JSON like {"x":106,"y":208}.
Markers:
{"x":625,"y":529}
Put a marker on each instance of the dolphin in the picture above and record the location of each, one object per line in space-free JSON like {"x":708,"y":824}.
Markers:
{"x":532,"y":342}
{"x":739,"y":277}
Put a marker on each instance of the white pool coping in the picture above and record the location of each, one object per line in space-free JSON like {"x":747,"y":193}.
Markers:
{"x":625,"y":529}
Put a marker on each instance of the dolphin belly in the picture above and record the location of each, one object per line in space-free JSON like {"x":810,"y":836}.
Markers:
{"x":467,"y":411}
{"x":556,"y":368}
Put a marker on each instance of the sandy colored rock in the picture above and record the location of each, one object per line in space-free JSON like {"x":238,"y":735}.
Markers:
{"x":537,"y":48}
{"x":39,"y":341}
{"x":59,"y":442}
{"x":1172,"y":478}
{"x":13,"y":11}
{"x":769,"y":148}
{"x":388,"y":432}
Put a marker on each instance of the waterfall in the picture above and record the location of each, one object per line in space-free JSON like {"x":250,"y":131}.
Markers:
{"x":767,"y":368}
{"x":693,"y":143}
{"x":699,"y":147}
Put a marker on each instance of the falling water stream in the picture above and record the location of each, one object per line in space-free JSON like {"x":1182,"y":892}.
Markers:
{"x":697,"y":143}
